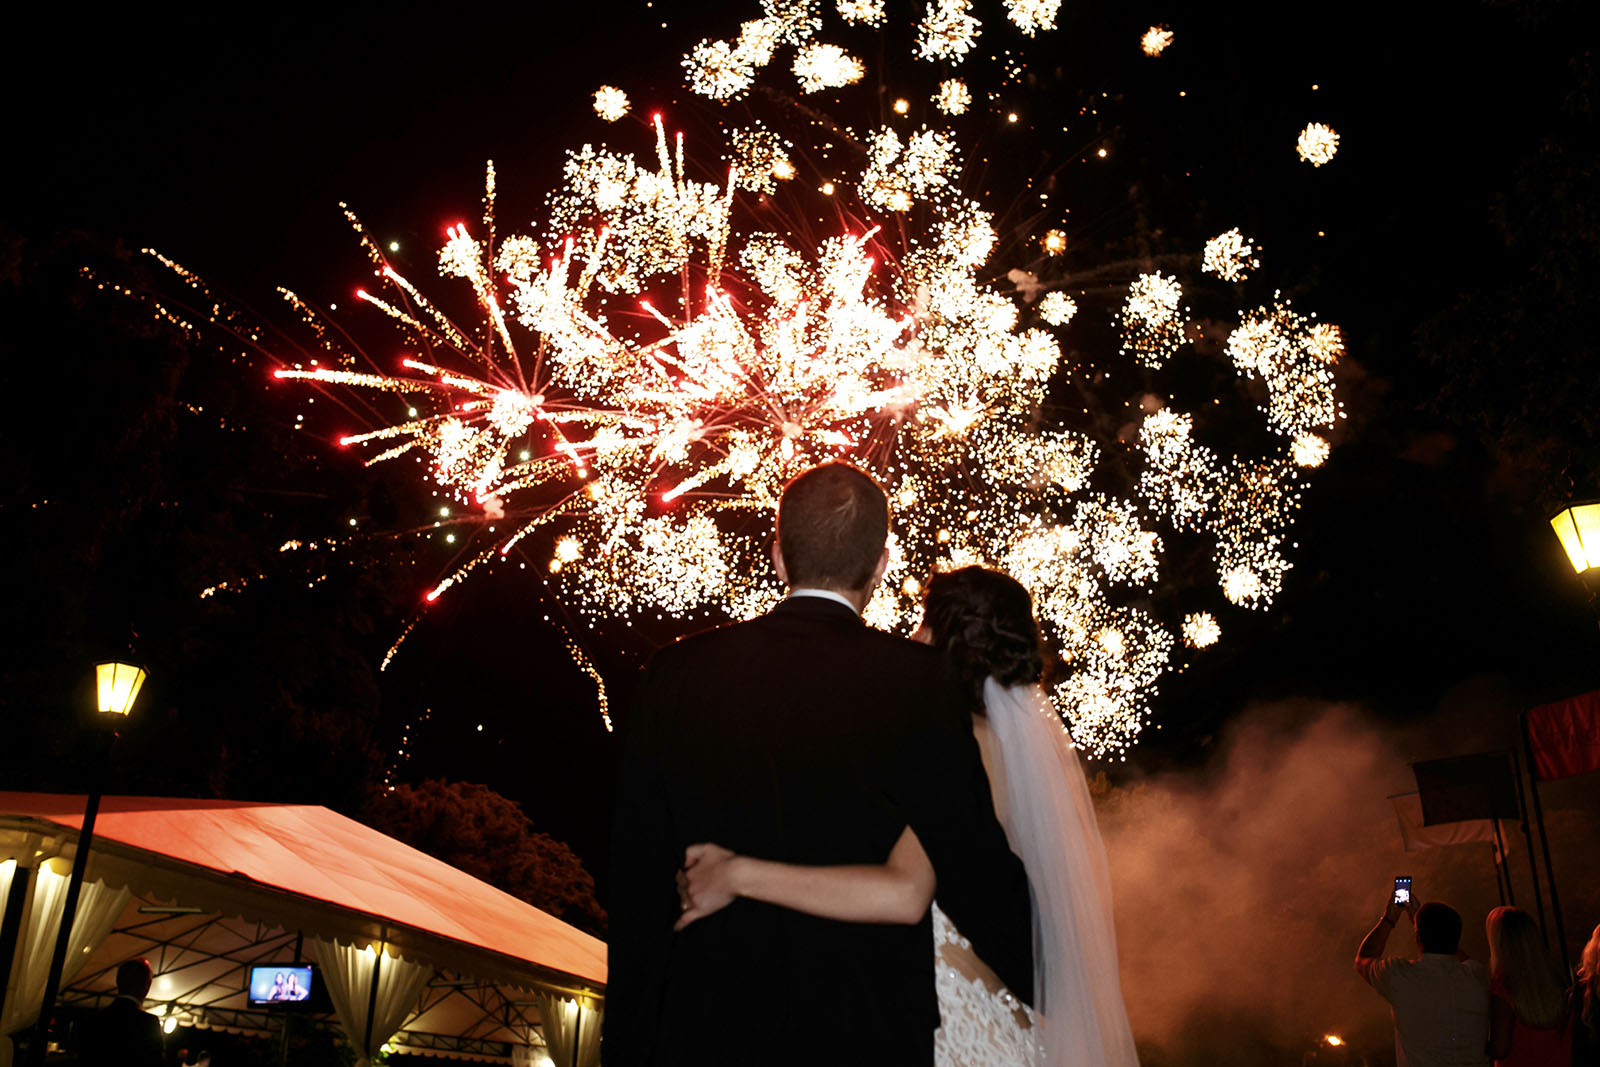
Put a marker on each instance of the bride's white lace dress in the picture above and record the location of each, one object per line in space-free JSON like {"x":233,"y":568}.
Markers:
{"x":981,"y":1023}
{"x":1043,"y":803}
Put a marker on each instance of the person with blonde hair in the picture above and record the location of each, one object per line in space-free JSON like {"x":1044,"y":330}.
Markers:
{"x":1528,"y":1021}
{"x":1584,"y":1005}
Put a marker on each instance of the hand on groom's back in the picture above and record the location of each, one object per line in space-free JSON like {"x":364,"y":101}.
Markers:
{"x":705,"y":882}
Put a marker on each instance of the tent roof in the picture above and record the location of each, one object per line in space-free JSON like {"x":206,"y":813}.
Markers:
{"x":309,"y":868}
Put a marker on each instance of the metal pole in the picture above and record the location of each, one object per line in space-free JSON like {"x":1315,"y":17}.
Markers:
{"x":1544,"y":839}
{"x":69,"y":910}
{"x":1502,"y":874}
{"x":1527,"y":839}
{"x":299,"y":943}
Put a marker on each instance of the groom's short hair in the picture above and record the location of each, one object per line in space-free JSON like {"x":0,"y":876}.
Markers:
{"x":833,"y":522}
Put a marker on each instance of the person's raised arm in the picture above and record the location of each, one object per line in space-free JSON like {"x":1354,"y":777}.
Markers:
{"x":1371,"y":950}
{"x":896,"y":891}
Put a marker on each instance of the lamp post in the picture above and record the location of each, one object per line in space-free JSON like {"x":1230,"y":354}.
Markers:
{"x":1577,"y":527}
{"x":116,"y":685}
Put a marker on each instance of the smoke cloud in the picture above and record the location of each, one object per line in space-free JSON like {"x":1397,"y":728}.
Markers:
{"x":1243,"y":888}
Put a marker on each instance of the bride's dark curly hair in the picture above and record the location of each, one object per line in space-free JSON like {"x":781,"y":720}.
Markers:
{"x":983,"y":622}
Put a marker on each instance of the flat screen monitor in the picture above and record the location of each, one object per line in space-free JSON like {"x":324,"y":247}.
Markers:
{"x":281,"y":983}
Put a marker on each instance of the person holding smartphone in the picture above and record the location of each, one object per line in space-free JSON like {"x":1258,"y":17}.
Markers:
{"x":1440,"y":997}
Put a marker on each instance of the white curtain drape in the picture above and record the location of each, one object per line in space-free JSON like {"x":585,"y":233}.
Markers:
{"x":348,"y":972}
{"x":98,"y":910}
{"x":571,"y":1031}
{"x":530,"y":1055}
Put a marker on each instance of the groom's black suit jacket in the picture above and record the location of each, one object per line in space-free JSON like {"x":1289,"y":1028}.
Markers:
{"x":803,"y":736}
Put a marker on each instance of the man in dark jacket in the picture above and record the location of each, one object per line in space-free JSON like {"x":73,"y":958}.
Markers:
{"x":802,"y":736}
{"x":123,"y":1033}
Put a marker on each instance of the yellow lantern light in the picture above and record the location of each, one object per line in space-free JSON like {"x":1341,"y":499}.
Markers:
{"x":1577,"y":526}
{"x":118,"y":684}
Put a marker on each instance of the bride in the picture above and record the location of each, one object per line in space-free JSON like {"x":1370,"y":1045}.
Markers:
{"x":983,"y":621}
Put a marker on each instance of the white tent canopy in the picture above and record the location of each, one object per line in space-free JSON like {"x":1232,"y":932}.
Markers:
{"x":205,"y":888}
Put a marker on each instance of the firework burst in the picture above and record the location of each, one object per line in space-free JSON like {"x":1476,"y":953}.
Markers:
{"x":1230,"y":256}
{"x":1316,"y":144}
{"x":650,"y":366}
{"x":610,"y":103}
{"x":1155,"y":40}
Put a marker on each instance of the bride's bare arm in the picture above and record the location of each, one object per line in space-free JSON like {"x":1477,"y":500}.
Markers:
{"x":896,"y":891}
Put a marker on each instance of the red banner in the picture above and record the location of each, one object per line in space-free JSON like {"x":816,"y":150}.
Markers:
{"x":1565,"y":737}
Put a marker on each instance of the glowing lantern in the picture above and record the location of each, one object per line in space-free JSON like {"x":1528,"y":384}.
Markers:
{"x":118,"y":684}
{"x":1578,"y":528}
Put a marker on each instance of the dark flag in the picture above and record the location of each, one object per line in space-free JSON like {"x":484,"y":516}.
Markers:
{"x":1565,"y":737}
{"x":1463,"y":788}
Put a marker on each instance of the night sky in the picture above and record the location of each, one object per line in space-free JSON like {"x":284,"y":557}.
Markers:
{"x":227,"y":140}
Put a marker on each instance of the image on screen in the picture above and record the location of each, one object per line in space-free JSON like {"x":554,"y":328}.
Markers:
{"x":282,"y":983}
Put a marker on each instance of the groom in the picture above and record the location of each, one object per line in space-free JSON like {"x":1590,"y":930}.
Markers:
{"x":808,"y":737}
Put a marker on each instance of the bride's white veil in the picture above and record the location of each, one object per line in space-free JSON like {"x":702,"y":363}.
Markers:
{"x":1051,"y":824}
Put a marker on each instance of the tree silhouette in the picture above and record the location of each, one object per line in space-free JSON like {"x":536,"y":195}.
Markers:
{"x":1518,"y":351}
{"x":476,"y":830}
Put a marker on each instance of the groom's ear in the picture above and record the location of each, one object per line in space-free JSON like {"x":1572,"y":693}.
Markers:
{"x":882,"y":567}
{"x":777,"y":563}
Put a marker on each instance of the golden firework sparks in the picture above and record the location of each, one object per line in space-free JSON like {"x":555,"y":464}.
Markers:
{"x":1057,"y":308}
{"x":1317,"y":144}
{"x":1153,"y":319}
{"x":1309,"y":450}
{"x":760,"y":159}
{"x":902,"y":173}
{"x":1230,"y":256}
{"x":826,"y":66}
{"x":610,"y":103}
{"x":1155,"y":40}
{"x":1200,"y":629}
{"x":1287,"y":351}
{"x":725,"y":70}
{"x":953,"y":97}
{"x":1031,"y":16}
{"x":1325,"y":341}
{"x":947,"y":30}
{"x":868,"y":12}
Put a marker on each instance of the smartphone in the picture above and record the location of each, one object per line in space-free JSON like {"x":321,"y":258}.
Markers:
{"x":1402,"y":890}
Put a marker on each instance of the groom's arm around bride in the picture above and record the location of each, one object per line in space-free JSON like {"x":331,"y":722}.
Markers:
{"x":807,"y":737}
